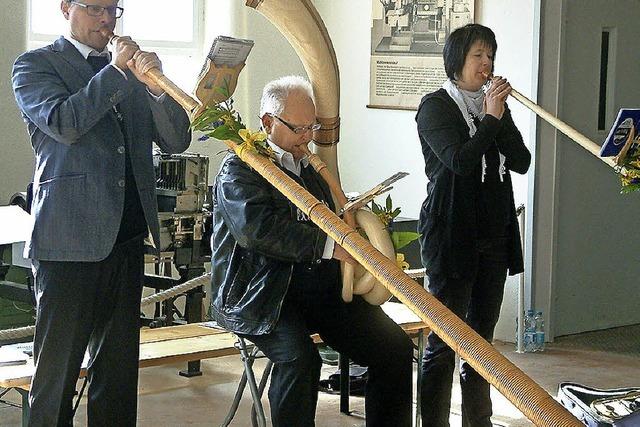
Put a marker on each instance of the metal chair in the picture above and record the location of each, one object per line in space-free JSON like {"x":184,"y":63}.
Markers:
{"x":249,"y":353}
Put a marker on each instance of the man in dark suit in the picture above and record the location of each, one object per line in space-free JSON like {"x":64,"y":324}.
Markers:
{"x":92,"y":116}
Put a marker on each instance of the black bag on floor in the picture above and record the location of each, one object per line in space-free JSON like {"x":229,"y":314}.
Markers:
{"x":601,"y":408}
{"x":357,"y":381}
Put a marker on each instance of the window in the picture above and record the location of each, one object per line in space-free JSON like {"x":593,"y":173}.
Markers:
{"x":172,"y":29}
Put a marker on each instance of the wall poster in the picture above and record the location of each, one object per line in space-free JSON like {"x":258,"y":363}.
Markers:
{"x":407,"y":38}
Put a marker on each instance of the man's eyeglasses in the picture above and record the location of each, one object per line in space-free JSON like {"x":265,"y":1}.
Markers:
{"x":300,"y":130}
{"x":97,"y":11}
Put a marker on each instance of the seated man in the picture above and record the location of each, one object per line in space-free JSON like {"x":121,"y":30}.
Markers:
{"x":275,"y":277}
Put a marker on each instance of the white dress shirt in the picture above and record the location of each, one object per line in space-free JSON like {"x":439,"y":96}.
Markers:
{"x":286,"y":160}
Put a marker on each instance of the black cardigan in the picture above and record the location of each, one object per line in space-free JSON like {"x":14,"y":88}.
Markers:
{"x":448,"y":216}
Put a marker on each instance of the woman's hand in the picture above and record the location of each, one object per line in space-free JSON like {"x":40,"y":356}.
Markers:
{"x":495,"y":97}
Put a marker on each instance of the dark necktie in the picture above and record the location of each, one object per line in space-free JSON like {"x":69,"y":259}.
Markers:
{"x":97,"y":62}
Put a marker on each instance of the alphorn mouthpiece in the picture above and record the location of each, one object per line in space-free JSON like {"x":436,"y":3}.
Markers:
{"x":108,"y":34}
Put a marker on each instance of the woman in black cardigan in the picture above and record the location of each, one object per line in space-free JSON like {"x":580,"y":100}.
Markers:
{"x":469,"y":230}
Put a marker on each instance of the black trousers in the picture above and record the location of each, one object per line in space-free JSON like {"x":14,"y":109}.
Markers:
{"x":358,"y":330}
{"x":477,"y":301}
{"x":94,"y":306}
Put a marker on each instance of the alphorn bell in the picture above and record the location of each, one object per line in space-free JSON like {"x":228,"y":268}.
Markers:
{"x":365,"y":284}
{"x":572,"y":133}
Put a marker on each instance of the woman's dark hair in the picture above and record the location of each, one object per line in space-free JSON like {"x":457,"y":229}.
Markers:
{"x":458,"y":44}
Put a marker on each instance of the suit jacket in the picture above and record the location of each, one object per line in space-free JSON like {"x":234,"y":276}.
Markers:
{"x":78,"y":184}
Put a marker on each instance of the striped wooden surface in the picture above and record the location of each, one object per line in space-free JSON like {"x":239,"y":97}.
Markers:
{"x":194,"y":341}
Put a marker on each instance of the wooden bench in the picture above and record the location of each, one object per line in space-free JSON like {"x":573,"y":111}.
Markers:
{"x":191,"y":342}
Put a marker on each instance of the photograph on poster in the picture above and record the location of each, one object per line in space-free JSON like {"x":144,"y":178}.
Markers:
{"x":407,"y":38}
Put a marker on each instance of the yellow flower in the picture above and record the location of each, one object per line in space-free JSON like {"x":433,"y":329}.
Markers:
{"x":250,"y":138}
{"x":255,"y":141}
{"x":400,"y":262}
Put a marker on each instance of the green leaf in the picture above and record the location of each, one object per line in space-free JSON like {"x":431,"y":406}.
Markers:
{"x":206,"y":118}
{"x":224,"y":89}
{"x":401,"y":239}
{"x":235,"y":138}
{"x":389,"y":203}
{"x":630,"y":188}
{"x":223,"y":133}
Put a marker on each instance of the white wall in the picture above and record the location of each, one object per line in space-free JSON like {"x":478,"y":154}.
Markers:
{"x":516,"y":31}
{"x":16,"y":156}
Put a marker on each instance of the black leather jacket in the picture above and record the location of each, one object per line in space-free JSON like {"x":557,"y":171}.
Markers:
{"x":258,"y":236}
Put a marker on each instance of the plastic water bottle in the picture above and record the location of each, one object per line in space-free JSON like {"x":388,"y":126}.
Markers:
{"x":539,"y":329}
{"x":529,"y":332}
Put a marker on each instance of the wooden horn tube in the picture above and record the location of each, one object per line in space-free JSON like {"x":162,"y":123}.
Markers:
{"x":348,"y":270}
{"x":572,"y":133}
{"x":187,"y":102}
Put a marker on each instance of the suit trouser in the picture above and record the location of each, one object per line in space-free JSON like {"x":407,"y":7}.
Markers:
{"x":477,"y":301}
{"x":94,"y":306}
{"x":358,"y":330}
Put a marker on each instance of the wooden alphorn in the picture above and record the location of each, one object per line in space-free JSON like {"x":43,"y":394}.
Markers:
{"x":576,"y":136}
{"x":188,"y":102}
{"x":348,"y":270}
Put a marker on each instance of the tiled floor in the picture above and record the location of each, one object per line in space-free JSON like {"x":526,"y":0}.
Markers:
{"x":167,"y":399}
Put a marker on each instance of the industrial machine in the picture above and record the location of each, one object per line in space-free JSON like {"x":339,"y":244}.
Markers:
{"x":16,"y":296}
{"x":421,"y":26}
{"x":184,"y":214}
{"x":183,"y":197}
